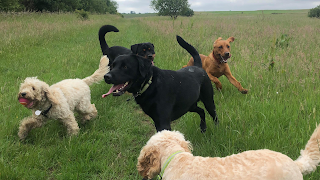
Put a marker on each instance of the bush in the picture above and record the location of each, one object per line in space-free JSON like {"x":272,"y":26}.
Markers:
{"x":82,"y":14}
{"x":10,"y":5}
{"x":121,"y":15}
{"x":315,"y":12}
{"x":187,"y":12}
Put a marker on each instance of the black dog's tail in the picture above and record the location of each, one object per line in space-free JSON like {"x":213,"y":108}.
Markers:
{"x":102,"y":32}
{"x":194,"y":53}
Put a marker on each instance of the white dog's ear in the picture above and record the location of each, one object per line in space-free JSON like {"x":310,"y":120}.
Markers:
{"x":149,"y":162}
{"x":186,"y":145}
{"x":50,"y":95}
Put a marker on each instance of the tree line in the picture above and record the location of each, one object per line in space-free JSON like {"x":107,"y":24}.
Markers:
{"x":94,"y":6}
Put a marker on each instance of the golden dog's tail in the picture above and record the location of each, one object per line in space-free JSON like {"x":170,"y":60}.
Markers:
{"x":310,"y":156}
{"x":97,"y":76}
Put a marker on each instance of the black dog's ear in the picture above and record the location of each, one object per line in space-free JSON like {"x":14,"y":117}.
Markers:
{"x":134,"y":48}
{"x":144,"y":65}
{"x":150,"y":44}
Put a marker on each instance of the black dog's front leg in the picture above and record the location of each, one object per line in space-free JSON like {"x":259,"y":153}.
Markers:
{"x":163,"y":126}
{"x":162,"y":123}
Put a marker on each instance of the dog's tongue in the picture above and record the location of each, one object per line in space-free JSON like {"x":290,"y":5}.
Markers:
{"x":113,"y":88}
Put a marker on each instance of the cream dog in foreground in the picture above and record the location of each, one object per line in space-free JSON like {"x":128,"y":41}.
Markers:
{"x":262,"y":164}
{"x":59,"y":100}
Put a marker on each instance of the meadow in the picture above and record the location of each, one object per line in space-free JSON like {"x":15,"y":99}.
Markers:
{"x":276,"y":55}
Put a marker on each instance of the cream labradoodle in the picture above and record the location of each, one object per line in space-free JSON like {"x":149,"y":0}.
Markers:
{"x":249,"y":165}
{"x":59,"y":100}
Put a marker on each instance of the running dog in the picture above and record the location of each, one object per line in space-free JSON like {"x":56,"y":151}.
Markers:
{"x":168,"y":155}
{"x":143,"y":49}
{"x":59,"y":101}
{"x":216,"y":64}
{"x":162,"y":93}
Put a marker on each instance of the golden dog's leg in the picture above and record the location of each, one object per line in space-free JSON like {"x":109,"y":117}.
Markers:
{"x":216,"y":81}
{"x":235,"y":82}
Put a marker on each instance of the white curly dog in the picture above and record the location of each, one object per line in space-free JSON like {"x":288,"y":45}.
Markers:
{"x":168,"y":153}
{"x":59,"y":101}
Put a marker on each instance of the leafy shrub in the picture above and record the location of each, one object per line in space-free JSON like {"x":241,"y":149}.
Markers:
{"x":187,"y":12}
{"x":82,"y":14}
{"x":276,"y":44}
{"x":121,"y":15}
{"x":283,"y":41}
{"x":10,"y":5}
{"x":315,"y":12}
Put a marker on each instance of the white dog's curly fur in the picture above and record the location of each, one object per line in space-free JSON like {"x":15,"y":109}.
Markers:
{"x":249,"y":165}
{"x":59,"y":100}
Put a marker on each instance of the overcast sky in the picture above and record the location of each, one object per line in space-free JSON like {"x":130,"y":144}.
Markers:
{"x":143,"y":6}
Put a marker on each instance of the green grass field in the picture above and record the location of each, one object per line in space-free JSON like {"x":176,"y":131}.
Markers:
{"x":279,"y":113}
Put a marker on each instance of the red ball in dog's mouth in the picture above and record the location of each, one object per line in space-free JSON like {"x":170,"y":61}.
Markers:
{"x":26,"y":102}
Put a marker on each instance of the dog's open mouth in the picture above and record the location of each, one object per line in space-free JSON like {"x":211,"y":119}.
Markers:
{"x":118,"y":90}
{"x":224,"y":59}
{"x":26,"y":102}
{"x":151,"y":58}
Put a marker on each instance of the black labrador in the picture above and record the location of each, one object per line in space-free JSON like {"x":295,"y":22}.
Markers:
{"x":164,"y":95}
{"x":143,"y":49}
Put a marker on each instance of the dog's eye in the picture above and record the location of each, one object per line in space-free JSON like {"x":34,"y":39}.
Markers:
{"x":220,"y":47}
{"x":228,"y":47}
{"x":125,"y":67}
{"x":33,"y":88}
{"x":144,"y":49}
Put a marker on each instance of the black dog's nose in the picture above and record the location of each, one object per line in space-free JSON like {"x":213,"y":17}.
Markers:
{"x":150,"y":56}
{"x":227,"y":54}
{"x":107,"y":78}
{"x":23,"y":94}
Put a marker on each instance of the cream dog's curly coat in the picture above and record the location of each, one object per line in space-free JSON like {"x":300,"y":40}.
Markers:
{"x":59,"y":100}
{"x":249,"y":165}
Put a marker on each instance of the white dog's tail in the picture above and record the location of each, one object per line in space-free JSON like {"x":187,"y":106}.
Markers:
{"x":97,"y":76}
{"x":310,"y":156}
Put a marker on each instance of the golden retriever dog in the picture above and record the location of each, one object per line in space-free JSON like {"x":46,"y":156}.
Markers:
{"x":216,"y":64}
{"x":59,"y":100}
{"x":155,"y":156}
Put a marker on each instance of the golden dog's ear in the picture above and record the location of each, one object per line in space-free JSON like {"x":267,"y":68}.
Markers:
{"x":220,"y":38}
{"x":50,"y":95}
{"x":149,"y":162}
{"x":230,"y":39}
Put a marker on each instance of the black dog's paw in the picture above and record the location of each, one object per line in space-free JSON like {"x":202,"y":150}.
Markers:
{"x":203,"y":130}
{"x":216,"y":121}
{"x":203,"y":127}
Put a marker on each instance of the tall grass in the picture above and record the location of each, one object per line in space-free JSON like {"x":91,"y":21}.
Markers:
{"x":279,"y":113}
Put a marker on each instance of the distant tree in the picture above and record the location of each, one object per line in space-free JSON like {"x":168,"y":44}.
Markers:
{"x":98,"y":6}
{"x":172,"y":8}
{"x":50,"y":5}
{"x":94,"y":6}
{"x":315,"y":12}
{"x":112,"y":7}
{"x":10,"y":5}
